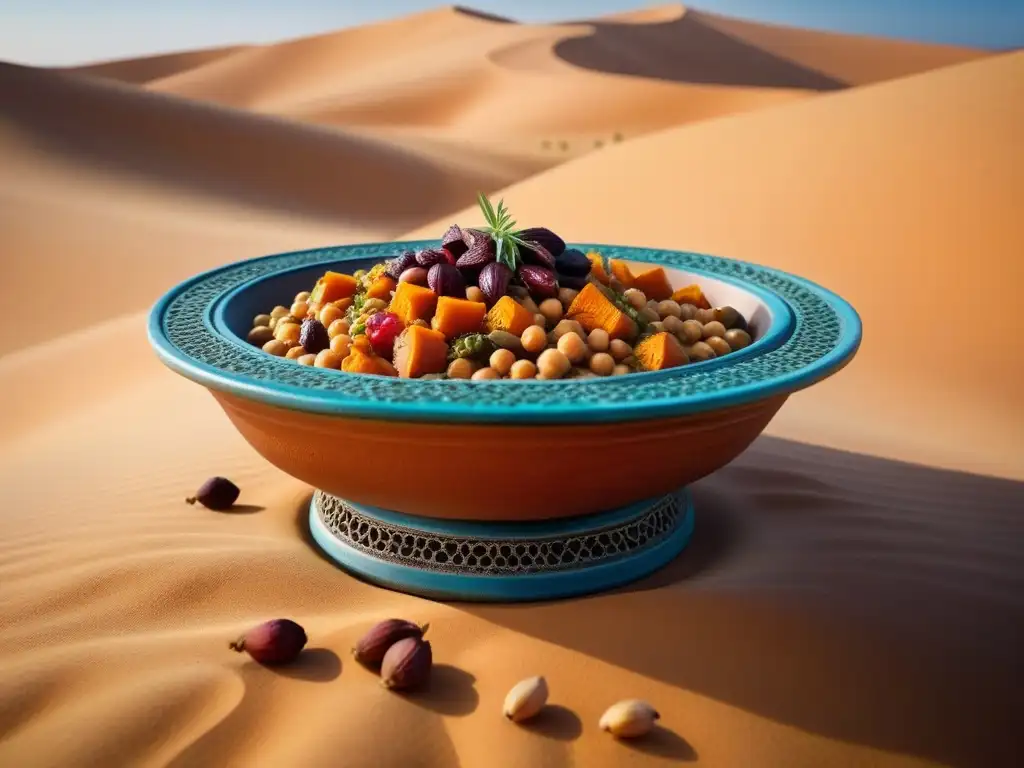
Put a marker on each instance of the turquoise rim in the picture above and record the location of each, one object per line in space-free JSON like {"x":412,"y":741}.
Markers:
{"x":586,"y":579}
{"x":822,"y":332}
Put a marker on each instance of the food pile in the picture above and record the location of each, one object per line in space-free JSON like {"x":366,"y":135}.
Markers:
{"x":497,"y":303}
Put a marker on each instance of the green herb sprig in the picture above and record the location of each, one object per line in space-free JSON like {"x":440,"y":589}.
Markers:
{"x":501,"y":228}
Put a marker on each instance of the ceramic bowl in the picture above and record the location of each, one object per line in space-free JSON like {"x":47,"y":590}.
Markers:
{"x":501,"y":451}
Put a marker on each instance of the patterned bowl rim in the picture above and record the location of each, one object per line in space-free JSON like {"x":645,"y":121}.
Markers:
{"x":823,"y":333}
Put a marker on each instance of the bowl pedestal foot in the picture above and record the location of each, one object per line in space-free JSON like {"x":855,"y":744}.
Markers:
{"x":502,"y":561}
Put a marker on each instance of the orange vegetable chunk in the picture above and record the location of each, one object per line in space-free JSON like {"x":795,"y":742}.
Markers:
{"x":413,"y":302}
{"x":622,"y":273}
{"x":691,"y":294}
{"x":509,"y":315}
{"x":597,"y":268}
{"x":660,"y":351}
{"x":333,"y":286}
{"x":381,"y":288}
{"x":654,"y":283}
{"x":455,"y":317}
{"x":361,"y":360}
{"x":592,"y":309}
{"x":419,"y":351}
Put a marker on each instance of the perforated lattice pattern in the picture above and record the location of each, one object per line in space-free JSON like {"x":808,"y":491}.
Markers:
{"x":818,"y":330}
{"x":420,"y":549}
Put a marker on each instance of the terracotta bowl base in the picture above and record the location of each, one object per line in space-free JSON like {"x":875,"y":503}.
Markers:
{"x":500,"y":561}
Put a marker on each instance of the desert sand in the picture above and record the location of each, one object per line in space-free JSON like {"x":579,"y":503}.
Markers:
{"x":854,"y":594}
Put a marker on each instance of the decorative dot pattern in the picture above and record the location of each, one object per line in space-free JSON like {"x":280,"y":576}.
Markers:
{"x":466,"y":555}
{"x":818,"y":331}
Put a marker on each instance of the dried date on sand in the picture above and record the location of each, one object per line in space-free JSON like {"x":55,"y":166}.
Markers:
{"x":217,"y":493}
{"x":274,"y":642}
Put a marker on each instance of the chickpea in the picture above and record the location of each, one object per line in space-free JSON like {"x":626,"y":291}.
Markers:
{"x":260,"y":320}
{"x":552,"y":363}
{"x":295,"y":352}
{"x":620,"y":370}
{"x":302,"y":296}
{"x":541,"y":320}
{"x":630,"y":361}
{"x":534,"y":339}
{"x":330,"y":314}
{"x":619,"y":349}
{"x":738,"y":338}
{"x":502,"y":361}
{"x":564,"y":327}
{"x":523,"y":369}
{"x":687,"y":312}
{"x":699,"y":352}
{"x":652,"y":304}
{"x":572,"y":346}
{"x":327,"y":358}
{"x":287,"y":332}
{"x":566,"y":296}
{"x":656,"y":327}
{"x":552,"y":310}
{"x":260,"y":335}
{"x":485,"y":373}
{"x":340,"y":345}
{"x":338,"y":328}
{"x":691,"y":331}
{"x":669,"y":308}
{"x":672,"y":324}
{"x":636,"y":298}
{"x":313,"y":308}
{"x":305,"y":359}
{"x":460,"y":368}
{"x":278,"y":311}
{"x":704,"y":316}
{"x":598,"y":340}
{"x":414,"y":275}
{"x":275,"y":348}
{"x":602,"y":364}
{"x":475,"y":294}
{"x":582,"y":373}
{"x":649,"y":315}
{"x":531,"y":305}
{"x":714,"y":328}
{"x":729,"y":317}
{"x":299,"y":309}
{"x":719,"y":345}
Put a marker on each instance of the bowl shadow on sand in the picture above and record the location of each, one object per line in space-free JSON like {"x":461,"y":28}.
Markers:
{"x":864,"y":600}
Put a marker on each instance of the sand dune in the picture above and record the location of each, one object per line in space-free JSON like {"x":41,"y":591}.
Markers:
{"x":852,"y":59}
{"x":881,"y":192}
{"x":835,"y":608}
{"x":479,"y":68}
{"x":147,"y":68}
{"x":123,"y":169}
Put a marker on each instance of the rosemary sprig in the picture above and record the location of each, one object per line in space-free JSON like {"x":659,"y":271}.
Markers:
{"x":501,"y":228}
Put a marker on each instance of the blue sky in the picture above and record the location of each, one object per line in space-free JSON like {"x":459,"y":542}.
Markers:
{"x":53,"y":32}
